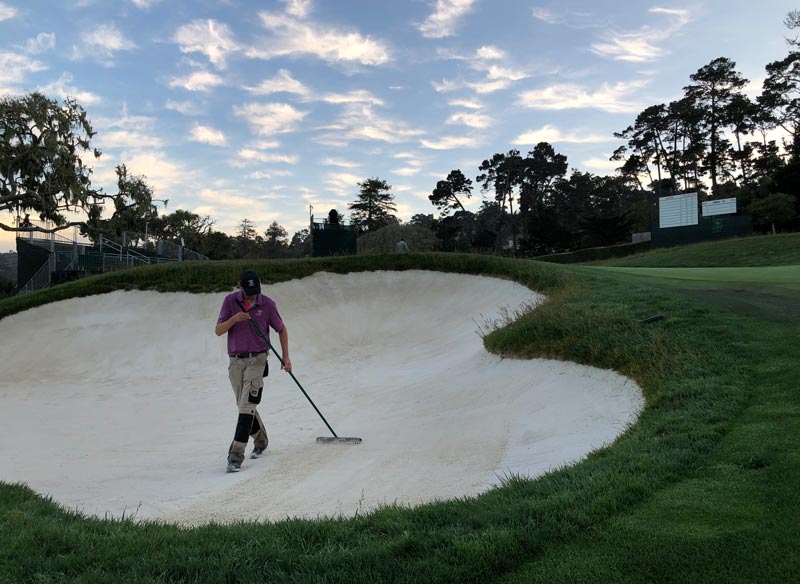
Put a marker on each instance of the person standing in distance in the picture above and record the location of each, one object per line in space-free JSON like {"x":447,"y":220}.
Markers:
{"x":247,"y":365}
{"x":402,"y":246}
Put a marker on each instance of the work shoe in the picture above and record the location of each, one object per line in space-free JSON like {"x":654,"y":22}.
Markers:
{"x":234,"y":466}
{"x":257,"y":452}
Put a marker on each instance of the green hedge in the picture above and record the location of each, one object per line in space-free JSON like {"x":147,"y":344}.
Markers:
{"x":385,"y":240}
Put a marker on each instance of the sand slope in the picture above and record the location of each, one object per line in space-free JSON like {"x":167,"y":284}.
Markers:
{"x":120,"y":403}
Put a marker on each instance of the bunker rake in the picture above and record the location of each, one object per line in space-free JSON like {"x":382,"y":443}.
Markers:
{"x":335,"y":439}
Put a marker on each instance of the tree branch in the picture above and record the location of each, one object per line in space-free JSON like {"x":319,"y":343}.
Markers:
{"x":5,"y":227}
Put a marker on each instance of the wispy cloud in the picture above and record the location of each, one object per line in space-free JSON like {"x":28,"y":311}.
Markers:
{"x":488,"y":60}
{"x":473,"y":120}
{"x":209,"y":37}
{"x":546,"y":15}
{"x":467,"y":103}
{"x":6,"y":11}
{"x":290,"y":36}
{"x":131,"y":133}
{"x":43,"y":42}
{"x":552,"y":134}
{"x":230,"y":201}
{"x":197,"y":81}
{"x":450,"y":143}
{"x":14,"y":67}
{"x":252,"y":155}
{"x":495,"y":72}
{"x":572,"y":19}
{"x":182,"y":107}
{"x":601,"y":164}
{"x":298,"y":8}
{"x":608,"y":98}
{"x":145,"y":4}
{"x":361,"y":122}
{"x":340,"y":163}
{"x":342,"y":183}
{"x":406,"y":171}
{"x":443,"y":20}
{"x":129,"y":138}
{"x":642,"y":45}
{"x":412,"y":167}
{"x":270,"y":118}
{"x":63,"y":88}
{"x":483,"y":87}
{"x":445,"y":86}
{"x":207,"y":135}
{"x":102,"y":43}
{"x":146,"y":160}
{"x":264,"y":144}
{"x":496,"y":79}
{"x":261,"y":174}
{"x":282,"y":82}
{"x":490,"y":52}
{"x":356,"y":96}
{"x":160,"y":171}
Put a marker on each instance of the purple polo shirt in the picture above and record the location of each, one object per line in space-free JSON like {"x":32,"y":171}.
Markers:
{"x":242,"y":337}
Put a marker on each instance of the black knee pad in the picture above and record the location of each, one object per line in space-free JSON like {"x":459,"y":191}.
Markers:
{"x":255,"y":427}
{"x":243,"y":426}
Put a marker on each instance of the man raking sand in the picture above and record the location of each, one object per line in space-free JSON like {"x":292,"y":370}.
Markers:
{"x":247,"y":367}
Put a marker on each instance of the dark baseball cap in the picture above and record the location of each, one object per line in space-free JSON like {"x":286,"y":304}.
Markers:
{"x":250,"y":283}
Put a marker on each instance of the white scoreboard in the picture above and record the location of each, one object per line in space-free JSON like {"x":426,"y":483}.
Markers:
{"x":719,"y":207}
{"x":677,"y":210}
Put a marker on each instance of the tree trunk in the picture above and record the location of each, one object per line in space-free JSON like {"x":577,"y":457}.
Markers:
{"x":513,"y":224}
{"x":497,"y":239}
{"x":741,"y":157}
{"x":658,"y":170}
{"x":713,"y":154}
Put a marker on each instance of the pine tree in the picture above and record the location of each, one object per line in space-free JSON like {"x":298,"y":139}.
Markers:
{"x":374,"y":206}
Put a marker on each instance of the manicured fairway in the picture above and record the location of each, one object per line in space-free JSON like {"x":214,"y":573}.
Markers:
{"x":758,"y":250}
{"x":770,"y":292}
{"x":773,"y":277}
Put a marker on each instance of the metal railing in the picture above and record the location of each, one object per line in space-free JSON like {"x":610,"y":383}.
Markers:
{"x":133,"y":257}
{"x":71,"y":258}
{"x":56,"y":237}
{"x":109,"y":243}
{"x":178,"y":252}
{"x":137,"y":257}
{"x":41,"y":279}
{"x":149,"y":244}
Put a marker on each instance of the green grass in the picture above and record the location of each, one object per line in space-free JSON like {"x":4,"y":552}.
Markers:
{"x":762,"y":250}
{"x":775,"y":276}
{"x":704,"y":488}
{"x":773,"y":293}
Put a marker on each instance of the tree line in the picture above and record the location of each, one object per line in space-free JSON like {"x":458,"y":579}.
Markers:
{"x":714,"y":140}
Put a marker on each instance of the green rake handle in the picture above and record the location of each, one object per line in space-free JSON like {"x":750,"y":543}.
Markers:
{"x":266,"y":340}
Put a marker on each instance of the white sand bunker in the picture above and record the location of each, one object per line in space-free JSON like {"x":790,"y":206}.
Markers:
{"x":120,"y":403}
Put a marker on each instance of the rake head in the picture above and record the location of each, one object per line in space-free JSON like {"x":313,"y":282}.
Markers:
{"x":337,"y":440}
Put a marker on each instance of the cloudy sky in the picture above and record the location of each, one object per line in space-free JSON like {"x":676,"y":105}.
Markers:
{"x":259,"y":109}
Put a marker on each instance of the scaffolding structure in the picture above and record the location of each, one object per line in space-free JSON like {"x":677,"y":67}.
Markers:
{"x":46,"y":258}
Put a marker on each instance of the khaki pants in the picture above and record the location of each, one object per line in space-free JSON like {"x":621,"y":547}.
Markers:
{"x":247,"y":380}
